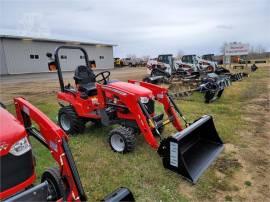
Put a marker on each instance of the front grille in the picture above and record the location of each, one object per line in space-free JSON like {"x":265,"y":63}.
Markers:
{"x":150,"y":106}
{"x":15,"y":169}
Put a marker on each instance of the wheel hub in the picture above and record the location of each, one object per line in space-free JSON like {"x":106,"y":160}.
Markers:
{"x":65,"y":122}
{"x":117,"y":143}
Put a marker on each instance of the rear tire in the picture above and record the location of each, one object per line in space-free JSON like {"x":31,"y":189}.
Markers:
{"x":69,"y":121}
{"x":122,"y":139}
{"x":56,"y":184}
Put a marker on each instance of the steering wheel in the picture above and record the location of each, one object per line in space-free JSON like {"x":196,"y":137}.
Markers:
{"x":105,"y":77}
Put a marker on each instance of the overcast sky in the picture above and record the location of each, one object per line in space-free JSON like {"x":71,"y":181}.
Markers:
{"x":142,"y":27}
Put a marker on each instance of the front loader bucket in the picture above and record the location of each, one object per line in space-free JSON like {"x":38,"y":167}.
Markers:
{"x":192,"y":150}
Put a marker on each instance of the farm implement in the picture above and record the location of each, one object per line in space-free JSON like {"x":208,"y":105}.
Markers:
{"x":131,"y":106}
{"x":191,"y":74}
{"x":212,"y":86}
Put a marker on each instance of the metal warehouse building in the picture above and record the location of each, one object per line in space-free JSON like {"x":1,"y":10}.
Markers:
{"x":20,"y":55}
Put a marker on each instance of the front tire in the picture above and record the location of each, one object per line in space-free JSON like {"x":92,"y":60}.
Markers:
{"x":69,"y":121}
{"x":210,"y":69}
{"x":122,"y":139}
{"x":56,"y":184}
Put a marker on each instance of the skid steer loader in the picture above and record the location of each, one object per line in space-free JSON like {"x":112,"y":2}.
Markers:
{"x":189,"y":68}
{"x":167,"y":70}
{"x":131,"y":105}
{"x":190,"y":74}
{"x":185,"y":78}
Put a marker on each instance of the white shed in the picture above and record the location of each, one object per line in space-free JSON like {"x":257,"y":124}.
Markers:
{"x":20,"y":55}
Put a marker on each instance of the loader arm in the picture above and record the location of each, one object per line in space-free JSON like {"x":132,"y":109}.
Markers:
{"x":142,"y":118}
{"x":161,"y":95}
{"x":132,"y":103}
{"x":52,"y":137}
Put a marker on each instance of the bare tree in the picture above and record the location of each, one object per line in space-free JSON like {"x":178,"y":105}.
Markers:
{"x":260,"y":49}
{"x":146,"y":57}
{"x":251,"y":50}
{"x":179,"y":54}
{"x":257,"y":51}
{"x":222,"y":48}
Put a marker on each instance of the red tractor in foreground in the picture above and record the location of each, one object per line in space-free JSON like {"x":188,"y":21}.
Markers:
{"x":17,"y":162}
{"x":131,"y":105}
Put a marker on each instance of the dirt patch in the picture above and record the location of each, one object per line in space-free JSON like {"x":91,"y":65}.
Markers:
{"x":253,"y":178}
{"x":43,"y":85}
{"x":227,"y":165}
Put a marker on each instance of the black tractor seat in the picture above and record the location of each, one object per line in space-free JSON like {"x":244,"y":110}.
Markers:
{"x":89,"y":89}
{"x":85,"y":79}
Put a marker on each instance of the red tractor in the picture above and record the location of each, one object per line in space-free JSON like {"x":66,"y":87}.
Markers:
{"x":131,"y":105}
{"x":18,"y":163}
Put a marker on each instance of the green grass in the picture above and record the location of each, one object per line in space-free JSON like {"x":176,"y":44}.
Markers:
{"x":102,"y":170}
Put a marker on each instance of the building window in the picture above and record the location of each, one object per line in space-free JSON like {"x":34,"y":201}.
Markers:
{"x":101,"y":57}
{"x":32,"y":56}
{"x":63,"y":57}
{"x":82,"y":57}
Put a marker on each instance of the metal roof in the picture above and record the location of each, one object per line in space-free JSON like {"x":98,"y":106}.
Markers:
{"x":55,"y":40}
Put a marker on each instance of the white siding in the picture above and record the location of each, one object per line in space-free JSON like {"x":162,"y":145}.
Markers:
{"x":95,"y":52}
{"x":3,"y":66}
{"x":18,"y":53}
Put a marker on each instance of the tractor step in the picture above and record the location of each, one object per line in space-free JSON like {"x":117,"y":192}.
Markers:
{"x":191,"y":151}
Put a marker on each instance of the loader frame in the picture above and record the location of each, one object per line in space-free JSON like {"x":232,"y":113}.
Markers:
{"x":56,"y":141}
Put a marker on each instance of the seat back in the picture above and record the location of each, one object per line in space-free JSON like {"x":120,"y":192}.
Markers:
{"x":84,"y":75}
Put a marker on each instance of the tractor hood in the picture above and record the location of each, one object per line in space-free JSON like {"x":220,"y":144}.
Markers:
{"x":11,"y":131}
{"x":132,"y":88}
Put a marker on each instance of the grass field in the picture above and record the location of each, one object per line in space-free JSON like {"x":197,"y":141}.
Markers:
{"x":230,"y":178}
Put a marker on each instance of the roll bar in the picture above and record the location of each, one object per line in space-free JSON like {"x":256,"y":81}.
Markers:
{"x":57,"y":62}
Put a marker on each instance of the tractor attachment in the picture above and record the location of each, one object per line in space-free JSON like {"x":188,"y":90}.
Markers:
{"x":191,"y":151}
{"x":212,"y":86}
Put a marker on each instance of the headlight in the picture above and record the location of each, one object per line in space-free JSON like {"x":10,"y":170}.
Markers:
{"x":20,"y":147}
{"x":144,"y":100}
